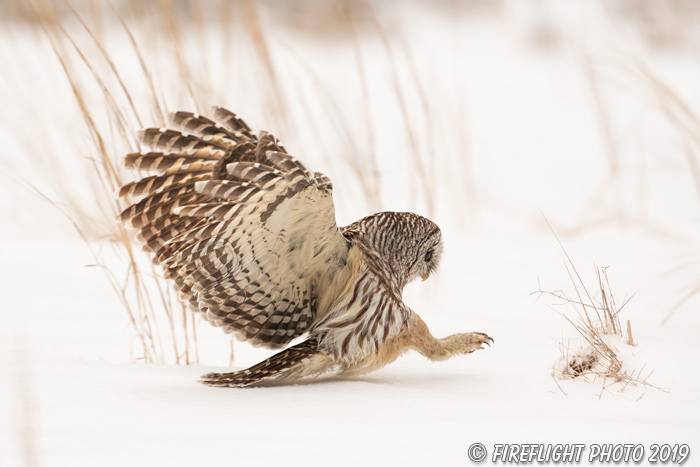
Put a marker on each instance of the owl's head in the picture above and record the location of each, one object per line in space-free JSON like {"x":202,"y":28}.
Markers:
{"x":409,"y":245}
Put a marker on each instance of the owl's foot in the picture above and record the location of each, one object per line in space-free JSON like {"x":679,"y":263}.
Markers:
{"x":474,"y":341}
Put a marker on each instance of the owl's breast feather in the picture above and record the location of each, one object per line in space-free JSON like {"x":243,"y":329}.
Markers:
{"x":336,"y":278}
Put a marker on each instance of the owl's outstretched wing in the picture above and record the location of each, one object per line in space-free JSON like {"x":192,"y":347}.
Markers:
{"x":243,"y":228}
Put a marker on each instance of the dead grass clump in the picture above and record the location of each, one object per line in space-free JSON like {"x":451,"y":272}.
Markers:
{"x":596,"y":318}
{"x":595,"y":315}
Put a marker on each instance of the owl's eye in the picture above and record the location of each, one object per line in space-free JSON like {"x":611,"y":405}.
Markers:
{"x":428,"y":255}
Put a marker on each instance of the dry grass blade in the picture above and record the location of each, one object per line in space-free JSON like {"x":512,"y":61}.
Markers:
{"x":678,"y":113}
{"x":160,"y":113}
{"x":604,"y":118}
{"x":362,"y":163}
{"x":692,"y":293}
{"x":276,"y":105}
{"x":168,"y":18}
{"x":105,"y":55}
{"x":371,"y":169}
{"x":429,"y":127}
{"x":421,"y":168}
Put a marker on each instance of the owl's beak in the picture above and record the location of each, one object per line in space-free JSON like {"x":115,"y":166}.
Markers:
{"x":425,"y":277}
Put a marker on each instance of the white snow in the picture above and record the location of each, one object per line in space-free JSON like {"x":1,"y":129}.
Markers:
{"x":512,"y":134}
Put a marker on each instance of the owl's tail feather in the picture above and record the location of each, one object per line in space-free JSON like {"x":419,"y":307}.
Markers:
{"x":287,"y":366}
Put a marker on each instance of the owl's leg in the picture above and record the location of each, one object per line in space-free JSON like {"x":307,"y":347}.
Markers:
{"x":420,"y":339}
{"x":287,"y":366}
{"x":416,"y":336}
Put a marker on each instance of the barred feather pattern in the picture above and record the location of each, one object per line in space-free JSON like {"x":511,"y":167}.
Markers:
{"x":220,"y":205}
{"x":393,"y":246}
{"x":248,"y":235}
{"x":276,"y":367}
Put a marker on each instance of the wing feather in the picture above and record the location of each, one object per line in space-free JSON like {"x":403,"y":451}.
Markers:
{"x":173,"y":140}
{"x":162,"y":161}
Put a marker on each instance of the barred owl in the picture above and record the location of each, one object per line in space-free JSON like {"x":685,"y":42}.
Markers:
{"x":248,"y":235}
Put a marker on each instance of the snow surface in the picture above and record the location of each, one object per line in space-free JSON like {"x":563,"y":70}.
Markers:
{"x":529,"y":138}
